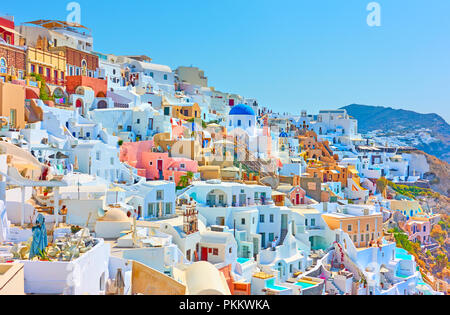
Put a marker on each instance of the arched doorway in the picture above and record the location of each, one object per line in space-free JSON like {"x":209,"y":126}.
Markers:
{"x":102,"y":104}
{"x":79,"y":104}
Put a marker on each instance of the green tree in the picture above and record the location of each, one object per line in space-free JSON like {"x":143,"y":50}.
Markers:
{"x":42,"y":91}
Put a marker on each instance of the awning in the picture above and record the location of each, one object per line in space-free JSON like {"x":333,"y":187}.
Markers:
{"x":384,"y":270}
{"x":49,"y":24}
{"x":231,"y":169}
{"x":7,"y":29}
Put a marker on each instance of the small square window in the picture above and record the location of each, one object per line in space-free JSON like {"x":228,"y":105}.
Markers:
{"x":242,"y":221}
{"x":215,"y":252}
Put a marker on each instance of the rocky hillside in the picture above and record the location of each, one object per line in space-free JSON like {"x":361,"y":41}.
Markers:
{"x":399,"y":121}
{"x":439,"y":174}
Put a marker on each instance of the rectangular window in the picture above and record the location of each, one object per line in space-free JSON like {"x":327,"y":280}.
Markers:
{"x":112,"y":161}
{"x":271,"y":237}
{"x":242,"y":221}
{"x":98,"y":155}
{"x":151,"y":210}
{"x":349,"y":228}
{"x":12,"y":117}
{"x":271,"y":218}
{"x":367,"y":227}
{"x":216,"y":252}
{"x":313,"y":222}
{"x":33,"y":69}
{"x":168,"y":208}
{"x":261,"y":218}
{"x":159,"y":195}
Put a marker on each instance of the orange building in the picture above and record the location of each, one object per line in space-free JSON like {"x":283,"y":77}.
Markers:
{"x":12,"y":104}
{"x":184,"y":112}
{"x":331,"y":173}
{"x":99,"y":86}
{"x":314,"y":149}
{"x":361,"y":228}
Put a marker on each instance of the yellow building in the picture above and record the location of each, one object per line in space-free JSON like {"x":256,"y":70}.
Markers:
{"x":51,"y":65}
{"x":181,"y":111}
{"x":408,"y":208}
{"x":361,"y":228}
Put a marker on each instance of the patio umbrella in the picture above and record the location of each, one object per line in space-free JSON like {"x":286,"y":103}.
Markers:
{"x":39,"y":242}
{"x":384,"y":270}
{"x":58,"y":156}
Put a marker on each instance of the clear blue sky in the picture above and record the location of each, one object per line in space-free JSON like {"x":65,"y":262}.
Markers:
{"x":290,"y":55}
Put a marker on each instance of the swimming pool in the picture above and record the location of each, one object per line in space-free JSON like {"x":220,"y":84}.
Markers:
{"x":402,"y":254}
{"x":242,"y":260}
{"x":305,"y":285}
{"x":401,"y":276}
{"x":270,"y":284}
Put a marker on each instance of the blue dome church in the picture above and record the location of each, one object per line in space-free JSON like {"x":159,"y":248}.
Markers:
{"x":242,"y":116}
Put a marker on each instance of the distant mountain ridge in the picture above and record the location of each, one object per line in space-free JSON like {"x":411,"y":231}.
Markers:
{"x":387,"y":119}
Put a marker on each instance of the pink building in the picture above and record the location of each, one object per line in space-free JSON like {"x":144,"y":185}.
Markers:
{"x":155,"y":165}
{"x":418,"y":230}
{"x":295,"y":194}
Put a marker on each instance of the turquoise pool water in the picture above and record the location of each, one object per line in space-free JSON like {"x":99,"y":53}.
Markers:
{"x":305,"y":285}
{"x":401,"y":276}
{"x":271,"y":285}
{"x":421,"y":283}
{"x":400,"y":253}
{"x":242,"y":260}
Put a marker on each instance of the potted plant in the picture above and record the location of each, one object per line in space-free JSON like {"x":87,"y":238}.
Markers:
{"x":46,"y":191}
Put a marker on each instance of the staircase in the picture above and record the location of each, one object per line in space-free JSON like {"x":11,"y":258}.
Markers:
{"x":265,"y":168}
{"x":334,"y":286}
{"x":283,"y":236}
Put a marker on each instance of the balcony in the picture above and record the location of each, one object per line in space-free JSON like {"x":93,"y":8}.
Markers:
{"x":50,"y":80}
